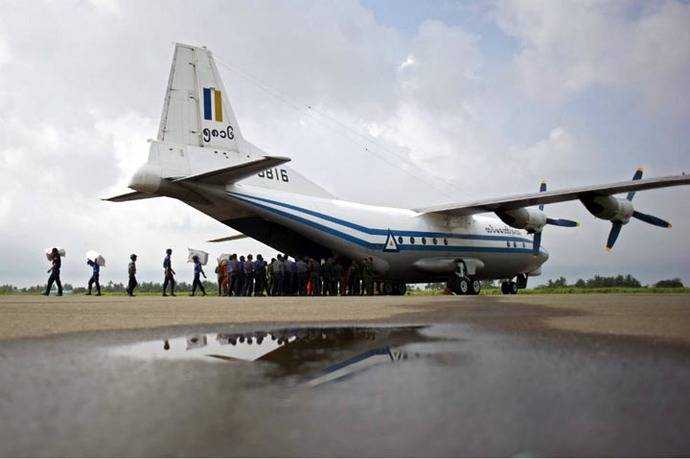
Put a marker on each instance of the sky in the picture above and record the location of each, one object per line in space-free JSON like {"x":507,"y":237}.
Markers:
{"x":400,"y":103}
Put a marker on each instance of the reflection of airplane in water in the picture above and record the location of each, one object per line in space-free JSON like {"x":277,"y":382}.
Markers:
{"x":319,"y":355}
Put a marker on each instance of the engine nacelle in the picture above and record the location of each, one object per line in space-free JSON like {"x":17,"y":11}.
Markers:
{"x":616,"y":210}
{"x":532,"y":220}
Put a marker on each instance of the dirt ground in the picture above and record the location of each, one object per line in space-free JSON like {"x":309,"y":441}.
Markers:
{"x":658,"y":317}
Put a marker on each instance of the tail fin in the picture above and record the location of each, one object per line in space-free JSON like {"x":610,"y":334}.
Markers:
{"x":196,"y":110}
{"x":197,"y":113}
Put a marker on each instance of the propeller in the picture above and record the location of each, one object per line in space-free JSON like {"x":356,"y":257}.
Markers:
{"x":651,"y":219}
{"x":536,"y":243}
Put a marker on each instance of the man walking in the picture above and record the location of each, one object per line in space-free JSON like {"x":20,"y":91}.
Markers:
{"x":132,"y":271}
{"x":198,"y":270}
{"x":169,"y":273}
{"x":96,"y":270}
{"x":54,"y":272}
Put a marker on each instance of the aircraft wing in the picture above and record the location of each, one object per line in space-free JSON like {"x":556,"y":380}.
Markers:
{"x":133,"y":196}
{"x":234,"y":173}
{"x":549,"y":197}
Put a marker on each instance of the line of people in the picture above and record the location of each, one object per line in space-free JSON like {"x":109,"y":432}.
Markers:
{"x":246,"y":276}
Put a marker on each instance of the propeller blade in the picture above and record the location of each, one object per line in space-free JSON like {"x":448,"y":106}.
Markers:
{"x":637,"y":176}
{"x":536,"y":243}
{"x":651,"y":219}
{"x":542,"y":188}
{"x":613,"y":235}
{"x":562,"y":222}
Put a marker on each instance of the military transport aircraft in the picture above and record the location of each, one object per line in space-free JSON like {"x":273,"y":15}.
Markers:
{"x":201,"y":158}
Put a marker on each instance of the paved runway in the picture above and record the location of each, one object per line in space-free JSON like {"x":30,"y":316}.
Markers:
{"x":521,"y":375}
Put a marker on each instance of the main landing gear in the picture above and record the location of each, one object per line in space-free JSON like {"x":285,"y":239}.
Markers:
{"x":390,"y":288}
{"x":509,"y":288}
{"x":464,"y":285}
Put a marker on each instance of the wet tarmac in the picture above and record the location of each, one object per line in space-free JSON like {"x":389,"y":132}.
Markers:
{"x":403,"y":390}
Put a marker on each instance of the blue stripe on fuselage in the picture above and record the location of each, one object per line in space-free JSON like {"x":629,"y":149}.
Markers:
{"x":371,"y":245}
{"x":382,"y":232}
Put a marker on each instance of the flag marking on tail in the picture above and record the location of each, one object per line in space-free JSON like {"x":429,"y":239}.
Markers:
{"x":213,"y":105}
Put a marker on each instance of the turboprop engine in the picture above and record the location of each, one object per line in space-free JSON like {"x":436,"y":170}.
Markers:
{"x":610,"y":208}
{"x":532,"y":220}
{"x":619,"y":212}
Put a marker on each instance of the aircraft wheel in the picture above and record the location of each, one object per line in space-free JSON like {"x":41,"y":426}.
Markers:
{"x":475,"y":287}
{"x":513,"y":288}
{"x":400,"y":289}
{"x":388,"y":288}
{"x":464,"y":286}
{"x":505,"y":288}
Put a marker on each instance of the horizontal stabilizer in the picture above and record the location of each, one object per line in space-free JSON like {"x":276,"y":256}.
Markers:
{"x":133,"y":196}
{"x":234,"y":173}
{"x":229,"y":238}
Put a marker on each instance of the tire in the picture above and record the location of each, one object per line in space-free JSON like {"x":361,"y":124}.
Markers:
{"x":505,"y":288}
{"x":513,"y":288}
{"x":400,"y":289}
{"x":463,"y":286}
{"x":475,"y":287}
{"x":388,"y":288}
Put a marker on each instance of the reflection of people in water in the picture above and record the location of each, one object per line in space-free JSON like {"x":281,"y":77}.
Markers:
{"x":166,"y":345}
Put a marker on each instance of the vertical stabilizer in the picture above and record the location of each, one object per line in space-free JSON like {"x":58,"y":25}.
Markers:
{"x":196,"y":110}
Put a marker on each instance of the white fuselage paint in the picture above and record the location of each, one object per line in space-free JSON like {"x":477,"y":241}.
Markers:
{"x":358,"y":230}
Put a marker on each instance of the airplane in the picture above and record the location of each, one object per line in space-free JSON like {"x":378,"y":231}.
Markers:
{"x":201,"y":158}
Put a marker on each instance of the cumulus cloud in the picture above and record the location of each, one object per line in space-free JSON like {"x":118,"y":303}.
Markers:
{"x":568,"y":47}
{"x":5,"y":55}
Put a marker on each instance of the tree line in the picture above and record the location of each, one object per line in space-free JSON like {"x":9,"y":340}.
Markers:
{"x":626,"y":281}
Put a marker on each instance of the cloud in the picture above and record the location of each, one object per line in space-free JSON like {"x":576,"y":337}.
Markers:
{"x":5,"y":54}
{"x":569,"y":47}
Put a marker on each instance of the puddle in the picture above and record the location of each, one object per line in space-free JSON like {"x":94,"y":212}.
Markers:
{"x":317,"y":355}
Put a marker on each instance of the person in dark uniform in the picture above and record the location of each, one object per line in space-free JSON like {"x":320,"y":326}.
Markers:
{"x":337,"y":278}
{"x":249,"y":268}
{"x":367,"y":276}
{"x":198,"y":270}
{"x":54,"y":272}
{"x":232,"y":274}
{"x":302,"y":276}
{"x":259,"y":276}
{"x":239,"y":288}
{"x":169,"y":273}
{"x":94,"y":276}
{"x":132,"y":271}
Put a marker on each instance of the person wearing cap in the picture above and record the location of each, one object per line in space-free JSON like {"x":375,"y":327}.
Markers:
{"x":198,"y":270}
{"x":54,"y":272}
{"x":169,"y":274}
{"x":94,"y":276}
{"x":132,"y":271}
